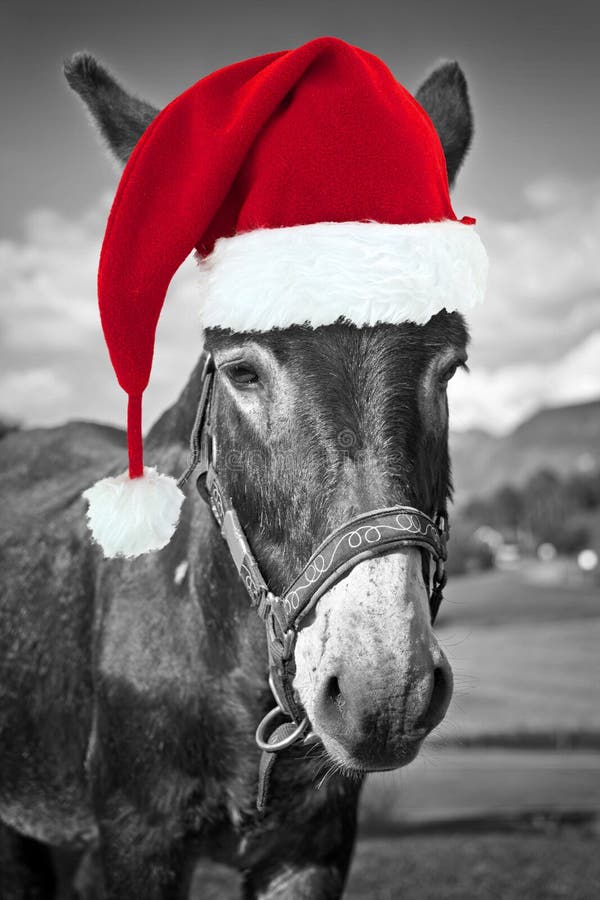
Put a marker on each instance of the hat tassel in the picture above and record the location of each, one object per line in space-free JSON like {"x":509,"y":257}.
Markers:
{"x":137,"y":511}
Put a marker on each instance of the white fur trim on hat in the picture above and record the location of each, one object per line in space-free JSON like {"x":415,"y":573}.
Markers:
{"x":131,"y":516}
{"x":366,"y":272}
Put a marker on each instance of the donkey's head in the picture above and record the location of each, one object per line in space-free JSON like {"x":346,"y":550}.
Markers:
{"x":314,"y":426}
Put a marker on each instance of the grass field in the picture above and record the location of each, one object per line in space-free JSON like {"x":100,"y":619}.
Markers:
{"x":489,"y":784}
{"x":524,"y":654}
{"x":563,"y":866}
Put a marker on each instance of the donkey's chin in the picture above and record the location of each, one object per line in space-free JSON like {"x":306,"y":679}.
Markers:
{"x":370,"y":758}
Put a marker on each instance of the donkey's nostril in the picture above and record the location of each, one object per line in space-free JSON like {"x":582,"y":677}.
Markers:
{"x":334,"y":692}
{"x":329,"y":706}
{"x":440,"y":696}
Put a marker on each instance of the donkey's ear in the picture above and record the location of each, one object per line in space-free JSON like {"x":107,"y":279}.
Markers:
{"x":121,"y":118}
{"x":445,"y":98}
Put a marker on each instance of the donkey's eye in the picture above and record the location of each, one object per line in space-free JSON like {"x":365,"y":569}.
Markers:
{"x":241,"y":374}
{"x":449,"y":372}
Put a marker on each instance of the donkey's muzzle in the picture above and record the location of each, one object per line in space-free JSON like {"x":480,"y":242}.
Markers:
{"x":376,"y":727}
{"x":370,"y":671}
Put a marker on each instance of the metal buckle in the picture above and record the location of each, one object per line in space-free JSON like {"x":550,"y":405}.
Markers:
{"x":285,"y":643}
{"x":262,"y":740}
{"x":201,"y":433}
{"x":265,"y":604}
{"x":278,"y":616}
{"x":443,"y":526}
{"x":440,"y":574}
{"x":204,"y":460}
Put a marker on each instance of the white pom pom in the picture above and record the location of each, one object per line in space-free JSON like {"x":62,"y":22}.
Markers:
{"x":132,"y":516}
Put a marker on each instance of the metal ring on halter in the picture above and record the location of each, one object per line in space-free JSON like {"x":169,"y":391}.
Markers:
{"x":285,"y":742}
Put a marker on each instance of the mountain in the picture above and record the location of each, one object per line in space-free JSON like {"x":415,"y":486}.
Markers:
{"x":563,"y":438}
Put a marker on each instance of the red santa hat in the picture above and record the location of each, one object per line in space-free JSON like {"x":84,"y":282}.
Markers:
{"x":314,"y":188}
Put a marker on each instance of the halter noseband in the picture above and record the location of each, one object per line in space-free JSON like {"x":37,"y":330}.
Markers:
{"x":371,"y":534}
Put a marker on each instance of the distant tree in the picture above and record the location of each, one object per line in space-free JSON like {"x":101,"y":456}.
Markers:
{"x":6,"y":427}
{"x":508,"y":507}
{"x":478,"y":510}
{"x":572,"y":537}
{"x":585,"y":489}
{"x":465,"y":552}
{"x":546,"y":505}
{"x":548,"y":508}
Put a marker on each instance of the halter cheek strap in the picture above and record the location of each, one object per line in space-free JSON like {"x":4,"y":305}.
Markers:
{"x":374,"y":533}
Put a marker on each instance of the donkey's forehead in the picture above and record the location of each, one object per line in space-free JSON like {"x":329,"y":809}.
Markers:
{"x":344,"y":343}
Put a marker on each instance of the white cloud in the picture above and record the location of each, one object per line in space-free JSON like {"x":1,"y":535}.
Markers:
{"x":544,"y":288}
{"x":498,"y":400}
{"x":35,"y":389}
{"x":54,"y":362}
{"x":536,"y":338}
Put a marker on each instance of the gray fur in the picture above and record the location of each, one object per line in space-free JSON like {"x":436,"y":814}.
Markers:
{"x":445,"y":98}
{"x":120,"y":117}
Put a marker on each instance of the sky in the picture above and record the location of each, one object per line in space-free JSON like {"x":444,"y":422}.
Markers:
{"x":531,"y":179}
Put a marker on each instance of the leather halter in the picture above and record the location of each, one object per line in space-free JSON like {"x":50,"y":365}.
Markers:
{"x":374,"y":533}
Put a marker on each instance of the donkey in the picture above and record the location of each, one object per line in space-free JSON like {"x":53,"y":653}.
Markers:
{"x":130,"y":690}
